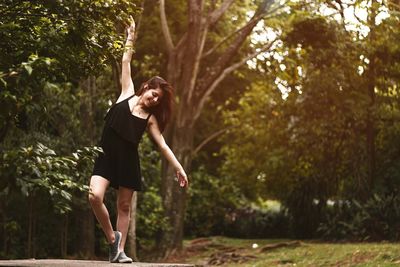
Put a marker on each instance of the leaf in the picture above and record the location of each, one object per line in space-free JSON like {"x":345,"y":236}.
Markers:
{"x":66,"y":195}
{"x":28,"y":68}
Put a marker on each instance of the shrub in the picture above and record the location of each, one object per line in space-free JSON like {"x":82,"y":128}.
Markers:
{"x":254,"y":222}
{"x":210,"y":199}
{"x":376,"y":219}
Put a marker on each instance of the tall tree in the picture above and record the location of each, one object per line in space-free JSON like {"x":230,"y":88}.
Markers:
{"x":370,"y":78}
{"x":195,"y":81}
{"x":85,"y":215}
{"x":311,"y":146}
{"x":58,"y":44}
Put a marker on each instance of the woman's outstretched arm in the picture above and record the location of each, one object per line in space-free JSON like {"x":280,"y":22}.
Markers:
{"x":126,"y":79}
{"x":155,"y":133}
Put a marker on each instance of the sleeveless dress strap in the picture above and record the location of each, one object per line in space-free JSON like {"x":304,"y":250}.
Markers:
{"x":148,"y":117}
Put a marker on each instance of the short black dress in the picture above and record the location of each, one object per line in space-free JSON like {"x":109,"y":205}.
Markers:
{"x":119,"y":163}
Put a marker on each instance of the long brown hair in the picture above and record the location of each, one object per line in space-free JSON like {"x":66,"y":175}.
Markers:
{"x":163,"y":110}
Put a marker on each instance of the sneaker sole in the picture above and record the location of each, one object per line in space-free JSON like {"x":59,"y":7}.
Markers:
{"x":115,"y":260}
{"x":125,"y":261}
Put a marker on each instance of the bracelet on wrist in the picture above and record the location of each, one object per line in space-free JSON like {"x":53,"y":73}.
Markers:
{"x":129,"y":48}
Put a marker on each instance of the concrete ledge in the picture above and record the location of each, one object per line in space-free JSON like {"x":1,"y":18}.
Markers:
{"x":84,"y":263}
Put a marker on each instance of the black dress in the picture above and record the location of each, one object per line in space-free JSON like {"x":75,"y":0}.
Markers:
{"x":119,"y":163}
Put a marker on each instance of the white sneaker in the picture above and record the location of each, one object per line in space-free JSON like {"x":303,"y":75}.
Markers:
{"x":122,"y":258}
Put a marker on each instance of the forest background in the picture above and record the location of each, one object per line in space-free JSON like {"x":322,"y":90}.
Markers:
{"x":287,"y":121}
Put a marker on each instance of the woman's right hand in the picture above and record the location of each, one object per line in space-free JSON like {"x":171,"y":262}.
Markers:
{"x":131,"y":28}
{"x":182,"y":178}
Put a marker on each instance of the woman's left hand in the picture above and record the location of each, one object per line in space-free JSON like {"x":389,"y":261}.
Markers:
{"x":182,"y":178}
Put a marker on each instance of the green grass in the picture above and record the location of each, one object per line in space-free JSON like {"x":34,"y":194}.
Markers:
{"x":305,"y":253}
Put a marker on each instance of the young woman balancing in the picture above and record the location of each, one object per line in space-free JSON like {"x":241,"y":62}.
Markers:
{"x":118,"y":166}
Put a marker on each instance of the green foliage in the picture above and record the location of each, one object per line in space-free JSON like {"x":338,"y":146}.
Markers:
{"x":255,"y":222}
{"x":308,"y":143}
{"x":39,"y":169}
{"x":150,"y":219}
{"x":313,"y":32}
{"x":150,"y":214}
{"x":376,"y":219}
{"x":54,"y":42}
{"x":247,"y":153}
{"x":302,"y":147}
{"x":210,"y":200}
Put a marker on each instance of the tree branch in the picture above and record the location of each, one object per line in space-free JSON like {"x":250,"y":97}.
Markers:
{"x":165,"y":28}
{"x":138,"y":24}
{"x":227,"y":71}
{"x":195,"y":44}
{"x":226,"y":38}
{"x":116,"y":71}
{"x":182,"y":40}
{"x":358,"y":18}
{"x":197,"y":62}
{"x":339,"y":9}
{"x":209,"y":139}
{"x":215,"y":70}
{"x":217,"y":14}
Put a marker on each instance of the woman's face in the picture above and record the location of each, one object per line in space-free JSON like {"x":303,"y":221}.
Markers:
{"x":152,"y":97}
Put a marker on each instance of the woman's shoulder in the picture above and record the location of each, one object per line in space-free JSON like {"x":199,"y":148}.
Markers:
{"x":152,"y":119}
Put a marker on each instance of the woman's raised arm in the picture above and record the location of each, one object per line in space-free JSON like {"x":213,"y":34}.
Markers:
{"x":126,"y":79}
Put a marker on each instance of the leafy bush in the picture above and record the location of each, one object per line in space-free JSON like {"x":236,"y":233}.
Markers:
{"x":39,"y":168}
{"x":376,"y":219}
{"x":37,"y":188}
{"x":210,"y":199}
{"x":254,"y":222}
{"x":216,"y":207}
{"x":150,"y":216}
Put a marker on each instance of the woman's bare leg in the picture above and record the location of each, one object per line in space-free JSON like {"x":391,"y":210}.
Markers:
{"x":124,"y":211}
{"x":98,"y":187}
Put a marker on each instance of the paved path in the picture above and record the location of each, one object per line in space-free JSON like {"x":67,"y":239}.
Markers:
{"x":83,"y":263}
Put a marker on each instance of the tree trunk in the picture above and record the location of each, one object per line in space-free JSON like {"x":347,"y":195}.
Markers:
{"x":64,"y":237}
{"x":34,"y":222}
{"x":174,"y":197}
{"x":86,"y":243}
{"x":3,"y":234}
{"x":371,"y":82}
{"x":86,"y":238}
{"x":30,"y":226}
{"x":183,"y":72}
{"x":132,"y":229}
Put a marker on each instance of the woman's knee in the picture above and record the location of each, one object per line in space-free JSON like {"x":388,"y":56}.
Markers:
{"x":98,"y":186}
{"x":124,"y":207}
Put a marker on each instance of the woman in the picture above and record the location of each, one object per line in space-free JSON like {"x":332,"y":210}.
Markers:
{"x":134,"y":112}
